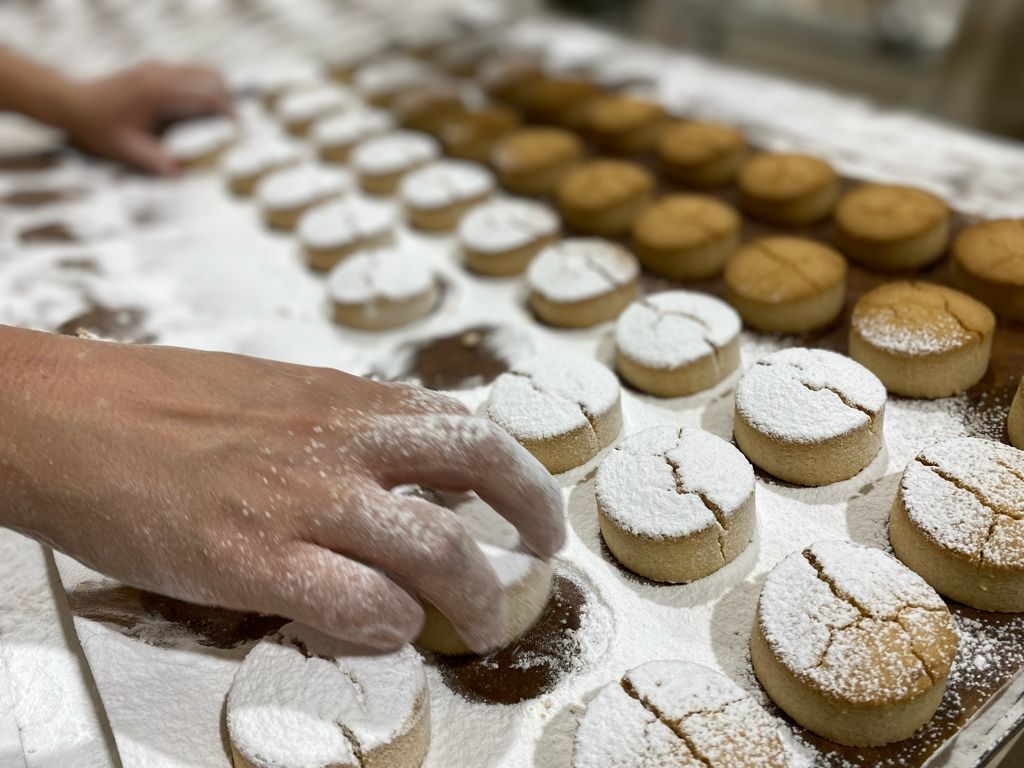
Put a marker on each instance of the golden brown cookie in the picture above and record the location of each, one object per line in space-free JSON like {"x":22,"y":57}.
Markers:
{"x":884,"y":226}
{"x":958,"y":521}
{"x":472,"y":134}
{"x":603,"y":197}
{"x":625,"y":125}
{"x":509,"y":78}
{"x":786,"y":284}
{"x":686,"y":237}
{"x":922,"y":339}
{"x":533,"y":161}
{"x":988,"y":263}
{"x":789,"y":189}
{"x":427,"y":109}
{"x":701,"y":154}
{"x":1015,"y":421}
{"x":561,"y":101}
{"x":852,"y":644}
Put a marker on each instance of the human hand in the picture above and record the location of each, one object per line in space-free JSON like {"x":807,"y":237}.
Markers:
{"x":262,"y":486}
{"x":118,"y":116}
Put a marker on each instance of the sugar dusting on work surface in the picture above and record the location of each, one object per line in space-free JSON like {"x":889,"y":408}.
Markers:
{"x":808,"y":395}
{"x":582,"y":268}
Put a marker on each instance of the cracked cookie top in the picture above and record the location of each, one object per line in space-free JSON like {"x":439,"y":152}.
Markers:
{"x":550,"y":396}
{"x":781,"y":269}
{"x":581,"y":268}
{"x":967,"y":495}
{"x":856,"y":624}
{"x":675,"y":328}
{"x":803,"y":395}
{"x":444,"y":183}
{"x":683,"y":222}
{"x":301,"y":698}
{"x":676,"y":713}
{"x":888,"y":212}
{"x":912,"y":319}
{"x":669,"y":482}
{"x":507,"y":224}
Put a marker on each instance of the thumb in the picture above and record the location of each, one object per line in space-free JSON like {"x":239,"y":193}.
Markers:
{"x":143,"y":150}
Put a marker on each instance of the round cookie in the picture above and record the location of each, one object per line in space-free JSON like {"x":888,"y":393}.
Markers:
{"x":884,"y":226}
{"x":509,"y":78}
{"x":533,"y":161}
{"x":624,"y":124}
{"x":299,"y":109}
{"x":563,"y":411}
{"x":335,"y":135}
{"x":286,"y":194}
{"x":381,"y":81}
{"x":526,"y":580}
{"x":472,"y":134}
{"x":437,"y":195}
{"x":1015,"y":421}
{"x":199,"y":143}
{"x":809,"y":416}
{"x":602,"y":197}
{"x":958,"y":521}
{"x":788,"y":189}
{"x":427,"y":109}
{"x":852,"y":644}
{"x":380,"y":289}
{"x":247,"y":164}
{"x":301,"y":699}
{"x":680,"y":714}
{"x":501,"y":237}
{"x":382,"y":161}
{"x":676,"y":343}
{"x":342,"y":61}
{"x":701,"y":155}
{"x":786,"y":284}
{"x":988,"y":263}
{"x":922,"y":339}
{"x":686,"y":237}
{"x":561,"y":101}
{"x":581,"y":282}
{"x":675,"y":504}
{"x":337,"y":229}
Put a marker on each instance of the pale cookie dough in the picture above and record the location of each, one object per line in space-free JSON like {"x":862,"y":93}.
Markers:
{"x":382,"y":161}
{"x":438,"y":195}
{"x":809,"y":416}
{"x":533,"y":161}
{"x":676,"y":343}
{"x":686,"y":237}
{"x":988,"y":263}
{"x":335,"y":135}
{"x":624,"y":124}
{"x":301,"y":699}
{"x":338,"y":228}
{"x":380,"y":289}
{"x":246,"y":165}
{"x":922,"y":339}
{"x":286,"y":194}
{"x":701,"y":154}
{"x":786,"y":284}
{"x":602,"y":197}
{"x":300,"y":109}
{"x":958,"y":521}
{"x":852,"y":644}
{"x":678,"y":714}
{"x":562,"y":410}
{"x":501,"y":237}
{"x":884,"y":226}
{"x":199,"y":143}
{"x":788,"y":189}
{"x":675,"y":504}
{"x":581,"y":282}
{"x":526,"y":580}
{"x":1015,"y":422}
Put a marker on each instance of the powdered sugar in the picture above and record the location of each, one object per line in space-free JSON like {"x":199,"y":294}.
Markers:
{"x":675,"y":328}
{"x":350,"y":127}
{"x":305,"y":104}
{"x":302,"y":185}
{"x":808,"y":395}
{"x":505,"y":225}
{"x":384,"y":273}
{"x":341,"y":223}
{"x":258,"y":155}
{"x":444,"y":183}
{"x":580,"y":269}
{"x":968,"y":496}
{"x":389,"y":76}
{"x":192,"y":139}
{"x":304,"y":700}
{"x":394,"y":152}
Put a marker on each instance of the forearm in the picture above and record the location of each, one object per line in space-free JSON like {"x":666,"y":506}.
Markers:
{"x":35,"y":90}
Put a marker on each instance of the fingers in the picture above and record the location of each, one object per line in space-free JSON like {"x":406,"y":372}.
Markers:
{"x":186,"y":90}
{"x":143,"y":150}
{"x":339,"y":596}
{"x":460,"y":453}
{"x":427,"y":549}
